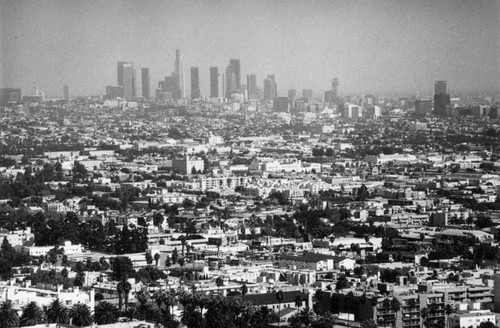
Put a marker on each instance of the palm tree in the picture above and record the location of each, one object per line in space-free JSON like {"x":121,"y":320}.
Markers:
{"x":32,"y":315}
{"x":56,"y":312}
{"x":168,"y":299}
{"x":9,"y":315}
{"x":306,"y":316}
{"x":298,"y":302}
{"x":123,"y":288}
{"x":279,"y":297}
{"x":126,"y":289}
{"x":105,"y":313}
{"x":192,"y":315}
{"x":119,"y":290}
{"x":80,"y":315}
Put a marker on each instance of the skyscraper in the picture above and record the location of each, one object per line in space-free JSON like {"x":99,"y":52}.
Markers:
{"x":9,"y":95}
{"x":233,"y":77}
{"x":66,"y":92}
{"x":145,"y":82}
{"x":270,"y":88}
{"x":126,"y":78}
{"x":441,"y":98}
{"x":214,"y":82}
{"x":440,"y":87}
{"x":195,"y":83}
{"x":292,"y":94}
{"x":331,"y":96}
{"x":179,"y":71}
{"x":114,"y":91}
{"x":253,"y":93}
{"x":307,"y":94}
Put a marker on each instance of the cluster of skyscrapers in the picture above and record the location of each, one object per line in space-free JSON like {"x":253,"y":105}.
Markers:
{"x":173,"y":87}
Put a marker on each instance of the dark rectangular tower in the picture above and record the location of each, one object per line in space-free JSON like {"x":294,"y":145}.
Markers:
{"x":145,"y":82}
{"x":195,"y":83}
{"x":214,"y":82}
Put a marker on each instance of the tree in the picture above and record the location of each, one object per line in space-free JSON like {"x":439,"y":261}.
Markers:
{"x":362,"y":193}
{"x":168,"y":263}
{"x":123,"y":289}
{"x":105,"y":313}
{"x":56,"y":312}
{"x":370,"y":323}
{"x":32,"y":315}
{"x":244,"y":291}
{"x":158,"y":219}
{"x":395,"y":305}
{"x":448,"y":309}
{"x":424,"y":261}
{"x":80,"y":315}
{"x":149,"y":258}
{"x":424,"y":313}
{"x":157,"y":259}
{"x":219,"y":282}
{"x":279,"y":298}
{"x":487,"y":324}
{"x":122,"y":267}
{"x":175,"y":256}
{"x":9,"y":315}
{"x":298,"y":301}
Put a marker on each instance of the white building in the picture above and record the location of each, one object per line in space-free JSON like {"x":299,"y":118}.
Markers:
{"x":22,"y":295}
{"x":68,"y":247}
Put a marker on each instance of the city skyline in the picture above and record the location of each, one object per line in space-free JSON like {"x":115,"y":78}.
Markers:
{"x":311,"y":43}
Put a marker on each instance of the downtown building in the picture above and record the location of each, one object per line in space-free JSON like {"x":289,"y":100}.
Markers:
{"x":173,"y":86}
{"x":9,"y":95}
{"x":233,"y":77}
{"x":270,"y":88}
{"x":253,"y":92}
{"x":195,"y":83}
{"x":214,"y":82}
{"x":126,"y":79}
{"x":441,"y":99}
{"x":331,"y":96}
{"x":145,"y":82}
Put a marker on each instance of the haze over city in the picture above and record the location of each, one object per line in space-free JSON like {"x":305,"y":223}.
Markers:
{"x":391,"y":47}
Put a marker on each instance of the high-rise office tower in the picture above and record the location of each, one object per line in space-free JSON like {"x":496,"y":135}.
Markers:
{"x":235,"y":64}
{"x":292,"y":94}
{"x":66,"y":92}
{"x":179,"y":71}
{"x":307,"y":94}
{"x":126,"y":79}
{"x":441,"y":98}
{"x":440,"y":87}
{"x":145,"y":82}
{"x":331,"y":96}
{"x":214,"y":82}
{"x":9,"y":95}
{"x":253,"y":93}
{"x":233,"y":78}
{"x":195,"y":83}
{"x":114,"y":91}
{"x":270,"y":88}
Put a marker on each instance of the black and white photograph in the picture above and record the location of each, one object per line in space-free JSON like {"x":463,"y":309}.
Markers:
{"x":250,"y":163}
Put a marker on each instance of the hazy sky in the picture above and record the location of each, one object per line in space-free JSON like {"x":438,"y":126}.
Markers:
{"x":372,"y":46}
